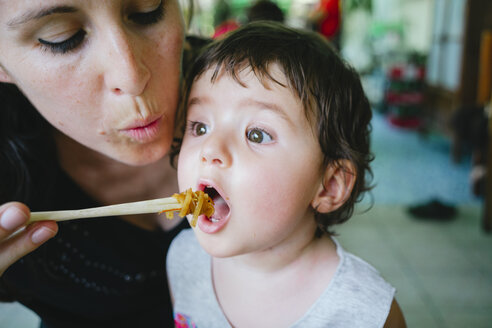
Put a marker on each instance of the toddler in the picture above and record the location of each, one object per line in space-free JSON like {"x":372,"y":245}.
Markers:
{"x":277,"y":133}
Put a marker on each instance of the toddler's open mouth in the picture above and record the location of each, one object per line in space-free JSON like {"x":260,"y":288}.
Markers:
{"x":221,"y":207}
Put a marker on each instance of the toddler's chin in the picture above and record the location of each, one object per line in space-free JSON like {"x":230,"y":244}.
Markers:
{"x":215,"y":248}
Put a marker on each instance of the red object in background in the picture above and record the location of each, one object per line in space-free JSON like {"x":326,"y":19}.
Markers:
{"x":395,"y":98}
{"x":404,"y":95}
{"x":405,"y":122}
{"x":331,"y":22}
{"x":395,"y":73}
{"x":407,"y":72}
{"x":227,"y":26}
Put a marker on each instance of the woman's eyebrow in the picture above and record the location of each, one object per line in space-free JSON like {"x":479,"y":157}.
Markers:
{"x":37,"y":14}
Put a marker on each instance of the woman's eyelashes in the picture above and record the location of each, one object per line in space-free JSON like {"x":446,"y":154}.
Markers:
{"x":150,"y":17}
{"x":64,"y":46}
{"x":71,"y":44}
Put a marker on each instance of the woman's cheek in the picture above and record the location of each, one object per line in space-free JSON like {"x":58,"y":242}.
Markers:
{"x":185,"y":167}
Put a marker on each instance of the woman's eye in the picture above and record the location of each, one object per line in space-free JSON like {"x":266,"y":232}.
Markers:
{"x":64,"y":46}
{"x":198,"y":128}
{"x":258,"y":136}
{"x":150,"y":17}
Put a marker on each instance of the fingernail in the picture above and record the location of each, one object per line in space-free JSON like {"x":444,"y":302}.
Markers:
{"x":12,"y":218}
{"x":41,"y":235}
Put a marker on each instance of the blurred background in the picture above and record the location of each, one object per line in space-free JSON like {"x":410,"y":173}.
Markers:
{"x":426,"y":66}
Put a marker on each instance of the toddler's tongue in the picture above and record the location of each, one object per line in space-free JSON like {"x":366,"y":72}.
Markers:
{"x":221,"y":208}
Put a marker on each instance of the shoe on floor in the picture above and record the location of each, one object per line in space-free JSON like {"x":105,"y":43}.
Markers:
{"x":433,"y":209}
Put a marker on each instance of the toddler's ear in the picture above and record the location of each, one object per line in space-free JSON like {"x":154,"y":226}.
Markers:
{"x":4,"y":76}
{"x":336,"y":186}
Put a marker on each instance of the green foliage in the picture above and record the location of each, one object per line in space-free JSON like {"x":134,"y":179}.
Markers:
{"x":349,"y":5}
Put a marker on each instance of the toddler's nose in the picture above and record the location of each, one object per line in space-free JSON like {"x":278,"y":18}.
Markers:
{"x":215,"y":151}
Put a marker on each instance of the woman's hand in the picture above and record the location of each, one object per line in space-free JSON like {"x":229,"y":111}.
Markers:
{"x":13,"y":246}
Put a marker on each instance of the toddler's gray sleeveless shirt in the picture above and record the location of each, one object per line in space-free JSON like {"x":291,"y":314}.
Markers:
{"x":357,"y":296}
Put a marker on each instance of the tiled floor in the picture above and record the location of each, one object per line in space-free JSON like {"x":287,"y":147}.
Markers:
{"x":442,"y":270}
{"x":410,"y":168}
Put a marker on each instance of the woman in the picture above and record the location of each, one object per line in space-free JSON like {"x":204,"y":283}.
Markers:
{"x":91,"y":125}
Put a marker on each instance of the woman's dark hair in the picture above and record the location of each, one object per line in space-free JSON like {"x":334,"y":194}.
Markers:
{"x":27,"y":151}
{"x":328,"y":87}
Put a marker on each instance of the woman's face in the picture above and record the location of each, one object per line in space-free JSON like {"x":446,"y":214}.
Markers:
{"x":103,"y":72}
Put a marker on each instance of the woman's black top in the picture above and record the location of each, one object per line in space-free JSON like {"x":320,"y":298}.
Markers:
{"x":101,"y":272}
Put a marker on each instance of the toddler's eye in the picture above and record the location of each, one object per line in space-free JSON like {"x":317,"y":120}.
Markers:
{"x":258,"y":136}
{"x":198,"y":128}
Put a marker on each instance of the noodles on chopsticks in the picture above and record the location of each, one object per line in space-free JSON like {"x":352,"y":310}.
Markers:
{"x":196,"y":203}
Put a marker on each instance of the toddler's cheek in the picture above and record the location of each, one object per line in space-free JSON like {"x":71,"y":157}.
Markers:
{"x":263,"y":191}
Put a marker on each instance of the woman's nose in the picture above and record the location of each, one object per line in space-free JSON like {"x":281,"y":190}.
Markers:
{"x":215,"y":151}
{"x":126,"y":72}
